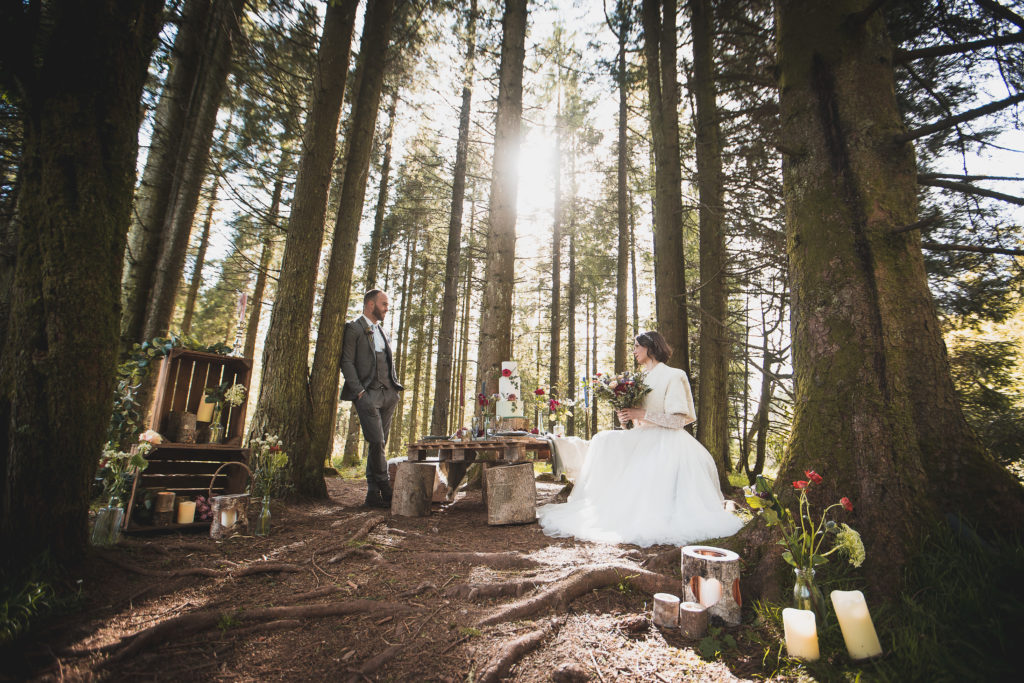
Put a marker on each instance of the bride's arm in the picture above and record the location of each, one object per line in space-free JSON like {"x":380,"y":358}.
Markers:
{"x":668,"y":420}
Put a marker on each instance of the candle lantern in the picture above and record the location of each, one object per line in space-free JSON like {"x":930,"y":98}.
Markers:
{"x":163,"y":508}
{"x":801,"y":633}
{"x":856,"y":625}
{"x":711,"y":577}
{"x":230,"y":511}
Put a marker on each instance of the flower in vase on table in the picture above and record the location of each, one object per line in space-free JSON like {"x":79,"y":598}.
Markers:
{"x":803,"y":535}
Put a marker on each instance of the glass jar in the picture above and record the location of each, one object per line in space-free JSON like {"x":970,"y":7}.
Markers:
{"x":263,"y":521}
{"x":807,"y":595}
{"x":107,"y":528}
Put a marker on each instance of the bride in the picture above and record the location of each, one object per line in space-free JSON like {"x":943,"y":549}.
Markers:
{"x":654,"y":484}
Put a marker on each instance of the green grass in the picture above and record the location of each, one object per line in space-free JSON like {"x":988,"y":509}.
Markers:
{"x":959,"y":618}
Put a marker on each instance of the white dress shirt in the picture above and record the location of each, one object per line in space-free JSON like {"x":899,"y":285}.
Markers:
{"x":378,"y":336}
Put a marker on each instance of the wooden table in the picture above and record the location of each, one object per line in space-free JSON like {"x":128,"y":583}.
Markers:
{"x":496,"y":450}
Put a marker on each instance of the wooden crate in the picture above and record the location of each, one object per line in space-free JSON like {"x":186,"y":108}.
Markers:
{"x":183,"y":376}
{"x":187,"y":469}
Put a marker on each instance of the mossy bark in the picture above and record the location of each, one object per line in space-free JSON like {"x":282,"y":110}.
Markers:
{"x":875,"y":411}
{"x":285,"y":406}
{"x":84,"y":68}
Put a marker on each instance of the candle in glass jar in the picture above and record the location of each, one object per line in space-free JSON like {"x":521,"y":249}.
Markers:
{"x":227,"y":518}
{"x":801,"y":633}
{"x":205,"y":412}
{"x":186,"y":512}
{"x":855,"y":622}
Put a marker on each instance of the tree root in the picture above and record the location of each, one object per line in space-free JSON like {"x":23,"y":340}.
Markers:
{"x":259,"y":568}
{"x":515,"y":650}
{"x":492,"y":560}
{"x":561,"y":593}
{"x":318,"y":593}
{"x":374,"y":663}
{"x":426,"y":585}
{"x":663,"y":561}
{"x":193,"y":622}
{"x":478,"y":591}
{"x":369,"y":553}
{"x":277,"y":625}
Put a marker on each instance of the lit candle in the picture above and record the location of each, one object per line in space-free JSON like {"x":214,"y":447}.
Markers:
{"x":801,"y":633}
{"x":855,"y":622}
{"x":205,"y":412}
{"x":227,"y":518}
{"x":186,"y":512}
{"x":710,"y":591}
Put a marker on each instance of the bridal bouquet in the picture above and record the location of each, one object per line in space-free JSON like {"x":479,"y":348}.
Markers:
{"x":625,"y":390}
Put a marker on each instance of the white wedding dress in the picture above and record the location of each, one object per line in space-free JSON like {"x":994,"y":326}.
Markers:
{"x":653,"y":484}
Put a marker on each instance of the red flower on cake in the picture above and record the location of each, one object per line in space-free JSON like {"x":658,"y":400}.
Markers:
{"x":506,"y":373}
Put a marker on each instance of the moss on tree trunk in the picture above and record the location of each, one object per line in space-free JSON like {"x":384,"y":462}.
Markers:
{"x":875,"y":410}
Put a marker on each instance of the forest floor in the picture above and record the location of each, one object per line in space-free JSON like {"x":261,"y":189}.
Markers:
{"x":342,"y":592}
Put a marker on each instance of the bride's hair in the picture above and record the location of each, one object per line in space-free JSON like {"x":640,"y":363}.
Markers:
{"x":655,"y":344}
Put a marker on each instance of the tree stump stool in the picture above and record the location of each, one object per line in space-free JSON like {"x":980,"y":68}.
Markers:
{"x":666,"y":610}
{"x":711,"y":577}
{"x":693,"y":620}
{"x":414,"y":489}
{"x":440,"y":486}
{"x":511,"y":494}
{"x":230,"y":514}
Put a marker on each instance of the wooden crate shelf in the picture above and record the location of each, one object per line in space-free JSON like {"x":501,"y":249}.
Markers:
{"x":187,"y":468}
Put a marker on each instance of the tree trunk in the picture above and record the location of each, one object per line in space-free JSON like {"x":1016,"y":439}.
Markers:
{"x":873,"y":390}
{"x":593,"y":371}
{"x":467,"y":304}
{"x":632,"y":265}
{"x":324,"y":377}
{"x":284,"y":406}
{"x":197,"y":269}
{"x":555,"y":343}
{"x":222,"y":31}
{"x":373,"y":258}
{"x":174,"y":119}
{"x":266,"y":256}
{"x":713,"y":397}
{"x":449,"y":299}
{"x":495,"y":343}
{"x":570,"y":361}
{"x":81,"y":124}
{"x":622,"y":168}
{"x":663,"y":94}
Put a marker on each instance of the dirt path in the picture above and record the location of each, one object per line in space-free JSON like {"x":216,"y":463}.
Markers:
{"x":340,"y":592}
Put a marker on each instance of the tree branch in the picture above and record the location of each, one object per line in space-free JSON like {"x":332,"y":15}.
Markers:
{"x":959,"y":118}
{"x":1001,"y":12}
{"x":922,"y":224}
{"x":967,"y":188}
{"x":935,"y":246}
{"x":904,"y":56}
{"x":964,"y":178}
{"x":858,"y":19}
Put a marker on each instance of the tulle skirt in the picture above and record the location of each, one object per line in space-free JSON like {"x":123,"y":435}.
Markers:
{"x":645,"y":486}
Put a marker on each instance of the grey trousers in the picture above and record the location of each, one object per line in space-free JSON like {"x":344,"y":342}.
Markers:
{"x":375,"y":410}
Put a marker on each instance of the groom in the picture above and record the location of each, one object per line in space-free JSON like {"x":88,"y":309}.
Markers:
{"x":370,"y":381}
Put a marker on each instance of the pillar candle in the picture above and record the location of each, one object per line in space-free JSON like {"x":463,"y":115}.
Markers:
{"x":801,"y":633}
{"x":227,"y":518}
{"x":205,"y":411}
{"x":186,"y":512}
{"x":855,"y":622}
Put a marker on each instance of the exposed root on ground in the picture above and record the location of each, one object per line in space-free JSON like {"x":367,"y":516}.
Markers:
{"x":478,"y":591}
{"x":492,"y":560}
{"x":426,"y":585}
{"x":513,"y":651}
{"x":561,"y":593}
{"x":665,"y":561}
{"x":318,"y":593}
{"x":368,"y":553}
{"x":374,"y":663}
{"x":259,"y":568}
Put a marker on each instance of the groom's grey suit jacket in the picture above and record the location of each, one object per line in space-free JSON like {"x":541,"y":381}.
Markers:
{"x":359,"y":359}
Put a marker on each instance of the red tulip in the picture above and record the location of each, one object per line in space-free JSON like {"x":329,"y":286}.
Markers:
{"x":799,"y":484}
{"x":814,"y":476}
{"x":846,"y":503}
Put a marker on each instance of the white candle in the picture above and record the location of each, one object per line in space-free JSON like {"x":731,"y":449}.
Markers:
{"x":855,"y":622}
{"x":186,"y":512}
{"x":801,"y":633}
{"x":710,"y":591}
{"x":205,"y":412}
{"x":227,"y":518}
